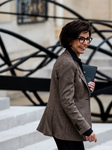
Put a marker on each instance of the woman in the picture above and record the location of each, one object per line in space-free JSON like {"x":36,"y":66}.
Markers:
{"x":67,"y":116}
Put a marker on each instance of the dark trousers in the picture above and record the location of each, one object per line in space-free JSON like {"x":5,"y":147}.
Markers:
{"x":69,"y":145}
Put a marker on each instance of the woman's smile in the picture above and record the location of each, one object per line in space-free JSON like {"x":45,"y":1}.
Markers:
{"x":77,"y":47}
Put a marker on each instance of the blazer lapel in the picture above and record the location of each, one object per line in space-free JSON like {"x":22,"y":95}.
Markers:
{"x":82,"y":77}
{"x":79,"y":71}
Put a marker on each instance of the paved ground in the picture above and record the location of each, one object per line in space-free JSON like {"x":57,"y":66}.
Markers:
{"x":104,"y":137}
{"x":103,"y":146}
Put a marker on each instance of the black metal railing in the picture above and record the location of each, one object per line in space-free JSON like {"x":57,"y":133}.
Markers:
{"x":27,"y":84}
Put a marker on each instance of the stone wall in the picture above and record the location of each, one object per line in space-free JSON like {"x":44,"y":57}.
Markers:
{"x":94,"y":9}
{"x":89,"y":9}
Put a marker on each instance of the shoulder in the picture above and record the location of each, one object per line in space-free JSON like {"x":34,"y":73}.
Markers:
{"x":65,"y":65}
{"x":65,"y":60}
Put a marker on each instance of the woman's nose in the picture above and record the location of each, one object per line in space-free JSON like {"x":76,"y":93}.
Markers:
{"x":86,"y":42}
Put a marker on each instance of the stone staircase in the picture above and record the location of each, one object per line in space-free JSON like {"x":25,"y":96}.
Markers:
{"x":18,"y":129}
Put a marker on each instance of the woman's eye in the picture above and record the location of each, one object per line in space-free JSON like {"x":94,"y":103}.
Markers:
{"x":82,"y":39}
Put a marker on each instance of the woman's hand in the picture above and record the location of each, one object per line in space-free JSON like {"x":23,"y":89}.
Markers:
{"x":91,"y":138}
{"x":91,"y":85}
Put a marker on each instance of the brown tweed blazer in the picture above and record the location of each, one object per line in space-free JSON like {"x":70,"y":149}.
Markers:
{"x":67,"y":115}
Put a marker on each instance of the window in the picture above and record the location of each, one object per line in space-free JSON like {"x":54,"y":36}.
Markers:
{"x":33,"y":9}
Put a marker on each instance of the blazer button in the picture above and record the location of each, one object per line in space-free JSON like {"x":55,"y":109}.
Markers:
{"x":77,"y":126}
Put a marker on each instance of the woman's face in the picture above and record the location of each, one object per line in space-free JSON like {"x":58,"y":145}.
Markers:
{"x":78,"y":46}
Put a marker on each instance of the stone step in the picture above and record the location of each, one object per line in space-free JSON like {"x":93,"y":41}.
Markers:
{"x":103,"y":63}
{"x":25,"y":136}
{"x":103,"y":146}
{"x":20,"y":136}
{"x":99,"y":61}
{"x":103,"y":132}
{"x":48,"y":144}
{"x":17,"y":115}
{"x":106,"y":70}
{"x":4,"y":103}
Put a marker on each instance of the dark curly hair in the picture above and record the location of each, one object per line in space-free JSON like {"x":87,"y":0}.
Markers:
{"x":72,"y":30}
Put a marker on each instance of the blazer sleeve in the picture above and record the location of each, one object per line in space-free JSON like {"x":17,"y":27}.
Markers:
{"x":67,"y":73}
